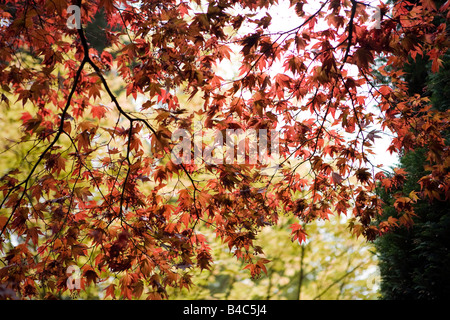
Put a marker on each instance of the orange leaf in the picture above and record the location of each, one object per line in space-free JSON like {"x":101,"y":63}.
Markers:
{"x":110,"y":291}
{"x":98,"y":111}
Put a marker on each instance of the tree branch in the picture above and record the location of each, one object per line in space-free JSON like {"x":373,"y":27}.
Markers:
{"x":49,"y":147}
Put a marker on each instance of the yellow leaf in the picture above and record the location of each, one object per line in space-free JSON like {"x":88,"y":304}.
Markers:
{"x":413,"y":196}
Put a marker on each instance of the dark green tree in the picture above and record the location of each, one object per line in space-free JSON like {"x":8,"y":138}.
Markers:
{"x":415,"y":262}
{"x":95,"y":32}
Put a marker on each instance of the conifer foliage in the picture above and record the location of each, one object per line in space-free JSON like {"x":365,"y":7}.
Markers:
{"x":414,"y":261}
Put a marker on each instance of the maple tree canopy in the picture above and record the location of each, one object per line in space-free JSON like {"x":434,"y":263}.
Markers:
{"x":96,"y":185}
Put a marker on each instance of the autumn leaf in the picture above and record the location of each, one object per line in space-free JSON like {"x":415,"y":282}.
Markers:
{"x":110,"y":291}
{"x":98,"y":111}
{"x":297,"y":233}
{"x":363,"y":57}
{"x":336,"y":177}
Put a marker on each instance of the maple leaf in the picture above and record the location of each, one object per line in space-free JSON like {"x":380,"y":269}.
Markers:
{"x":298,"y":233}
{"x":91,"y":276}
{"x":107,"y":58}
{"x":363,"y":57}
{"x":336,"y":177}
{"x":107,"y":4}
{"x":250,"y":42}
{"x":363,"y":174}
{"x":204,"y":260}
{"x":110,"y":291}
{"x":429,"y":4}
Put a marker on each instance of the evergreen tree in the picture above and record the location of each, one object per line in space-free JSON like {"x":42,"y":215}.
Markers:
{"x":415,"y":262}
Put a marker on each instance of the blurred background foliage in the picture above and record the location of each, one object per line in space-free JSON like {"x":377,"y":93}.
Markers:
{"x":331,"y":265}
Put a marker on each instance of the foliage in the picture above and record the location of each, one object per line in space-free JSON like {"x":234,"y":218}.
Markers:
{"x":96,"y":185}
{"x":414,"y":262}
{"x":331,"y":264}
